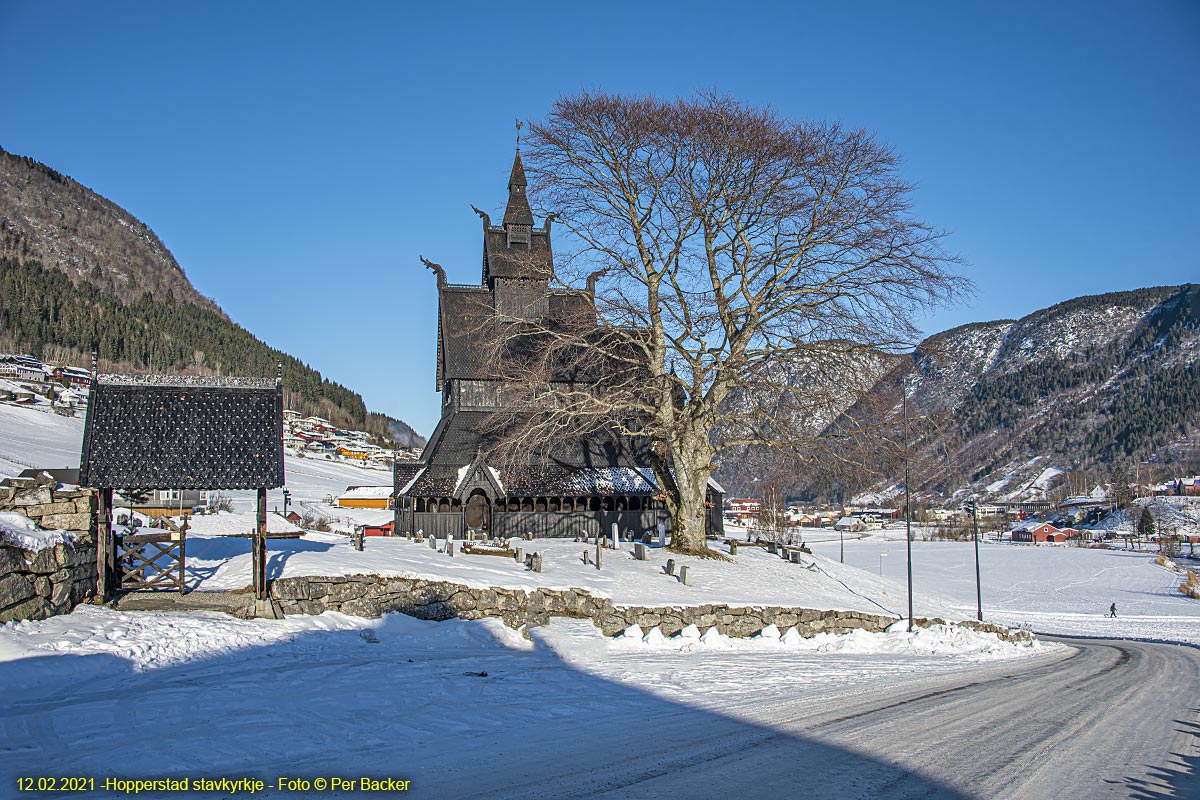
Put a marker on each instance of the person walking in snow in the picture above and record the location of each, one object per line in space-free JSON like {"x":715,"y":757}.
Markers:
{"x":1112,"y":611}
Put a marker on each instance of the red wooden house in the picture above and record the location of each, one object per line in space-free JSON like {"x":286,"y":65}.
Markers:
{"x":1038,"y":533}
{"x":379,"y":530}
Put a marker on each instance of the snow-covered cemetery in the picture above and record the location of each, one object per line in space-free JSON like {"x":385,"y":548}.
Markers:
{"x":808,"y":408}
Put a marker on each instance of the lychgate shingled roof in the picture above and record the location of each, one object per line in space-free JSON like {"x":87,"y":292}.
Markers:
{"x":183,"y":432}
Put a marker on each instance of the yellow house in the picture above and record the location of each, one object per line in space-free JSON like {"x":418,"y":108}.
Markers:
{"x":354,"y":451}
{"x":366,"y":497}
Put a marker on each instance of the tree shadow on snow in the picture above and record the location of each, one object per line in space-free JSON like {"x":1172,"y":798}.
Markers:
{"x":462,"y":709}
{"x":1182,"y":778}
{"x":220,"y":549}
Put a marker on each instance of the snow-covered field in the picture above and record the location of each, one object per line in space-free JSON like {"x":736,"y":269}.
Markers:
{"x":1052,"y":589}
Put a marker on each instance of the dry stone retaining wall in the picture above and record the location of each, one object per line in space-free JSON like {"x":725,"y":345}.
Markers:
{"x":42,"y":583}
{"x":373,"y":596}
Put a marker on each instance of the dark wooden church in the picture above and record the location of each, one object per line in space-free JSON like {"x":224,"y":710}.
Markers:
{"x":452,"y":488}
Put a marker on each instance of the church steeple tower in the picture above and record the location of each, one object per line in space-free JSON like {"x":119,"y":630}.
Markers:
{"x":518,"y":218}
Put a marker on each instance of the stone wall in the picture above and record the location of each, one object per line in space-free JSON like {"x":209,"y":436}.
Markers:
{"x":42,"y":583}
{"x":372,"y":596}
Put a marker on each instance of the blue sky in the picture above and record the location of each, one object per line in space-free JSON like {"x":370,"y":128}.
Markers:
{"x":299,"y":156}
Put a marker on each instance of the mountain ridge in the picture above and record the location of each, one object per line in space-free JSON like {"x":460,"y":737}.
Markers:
{"x":1084,"y":386}
{"x":79,"y":273}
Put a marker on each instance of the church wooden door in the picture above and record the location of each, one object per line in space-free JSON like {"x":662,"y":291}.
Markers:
{"x":478,"y":513}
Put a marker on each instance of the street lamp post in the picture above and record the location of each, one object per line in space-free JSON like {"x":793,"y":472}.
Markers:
{"x":978,"y":588}
{"x":907,"y":506}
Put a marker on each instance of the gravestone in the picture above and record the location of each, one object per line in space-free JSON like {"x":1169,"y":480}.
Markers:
{"x":616,"y":536}
{"x":773,"y":548}
{"x":599,"y":554}
{"x":733,"y":548}
{"x":670,"y":566}
{"x":450,"y":548}
{"x":646,"y":538}
{"x":536,"y":562}
{"x":795,"y":559}
{"x":520,"y":556}
{"x":662,"y":534}
{"x":685,"y":575}
{"x":587,"y":558}
{"x":639,"y":551}
{"x":433,"y":543}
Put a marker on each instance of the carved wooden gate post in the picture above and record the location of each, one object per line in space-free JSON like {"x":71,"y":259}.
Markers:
{"x":104,"y":545}
{"x":258,"y":547}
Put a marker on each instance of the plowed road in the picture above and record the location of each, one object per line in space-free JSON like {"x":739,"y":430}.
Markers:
{"x":1115,"y":719}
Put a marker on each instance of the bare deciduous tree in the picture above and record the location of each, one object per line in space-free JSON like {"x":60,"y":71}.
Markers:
{"x":743,"y":272}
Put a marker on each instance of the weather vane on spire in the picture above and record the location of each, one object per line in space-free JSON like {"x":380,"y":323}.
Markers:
{"x":519,"y":124}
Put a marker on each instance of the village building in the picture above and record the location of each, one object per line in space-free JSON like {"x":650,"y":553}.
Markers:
{"x":743,"y":508}
{"x":366,"y":497}
{"x":1042,"y":533}
{"x":170,"y":502}
{"x":74,"y":377}
{"x":20,"y":371}
{"x":357,"y":452}
{"x":850,"y":525}
{"x":452,"y":488}
{"x":379,"y":530}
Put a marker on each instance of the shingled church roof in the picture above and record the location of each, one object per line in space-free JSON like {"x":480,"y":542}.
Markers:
{"x":183,"y":432}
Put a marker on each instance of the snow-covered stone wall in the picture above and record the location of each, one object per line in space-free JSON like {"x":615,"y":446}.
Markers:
{"x":47,"y":548}
{"x":372,"y":596}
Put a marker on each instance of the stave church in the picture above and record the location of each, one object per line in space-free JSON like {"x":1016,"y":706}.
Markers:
{"x":452,"y":488}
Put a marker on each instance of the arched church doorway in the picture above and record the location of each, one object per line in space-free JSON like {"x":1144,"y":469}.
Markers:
{"x":478,"y":511}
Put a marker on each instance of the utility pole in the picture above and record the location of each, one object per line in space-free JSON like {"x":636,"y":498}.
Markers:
{"x":907,"y":506}
{"x":978,"y":588}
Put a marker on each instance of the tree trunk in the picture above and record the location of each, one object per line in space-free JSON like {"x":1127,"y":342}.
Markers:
{"x":691,"y":458}
{"x":687,"y":524}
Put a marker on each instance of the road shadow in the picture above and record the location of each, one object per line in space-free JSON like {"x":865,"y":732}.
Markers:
{"x":1179,"y":780}
{"x":462,"y":709}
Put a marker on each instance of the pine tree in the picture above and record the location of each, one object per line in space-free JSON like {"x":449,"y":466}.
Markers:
{"x":1122,"y":494}
{"x":1145,"y":526}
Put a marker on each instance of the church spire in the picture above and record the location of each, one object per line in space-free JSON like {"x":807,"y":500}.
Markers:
{"x":518,"y":212}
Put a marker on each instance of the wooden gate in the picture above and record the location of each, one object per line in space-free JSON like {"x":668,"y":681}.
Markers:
{"x":151,"y":560}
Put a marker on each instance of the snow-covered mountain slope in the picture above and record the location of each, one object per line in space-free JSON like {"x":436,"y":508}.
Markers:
{"x":1092,"y":383}
{"x":36,"y":437}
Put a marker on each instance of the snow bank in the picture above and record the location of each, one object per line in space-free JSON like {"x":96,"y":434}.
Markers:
{"x":937,"y":640}
{"x":153,"y":640}
{"x":20,"y":530}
